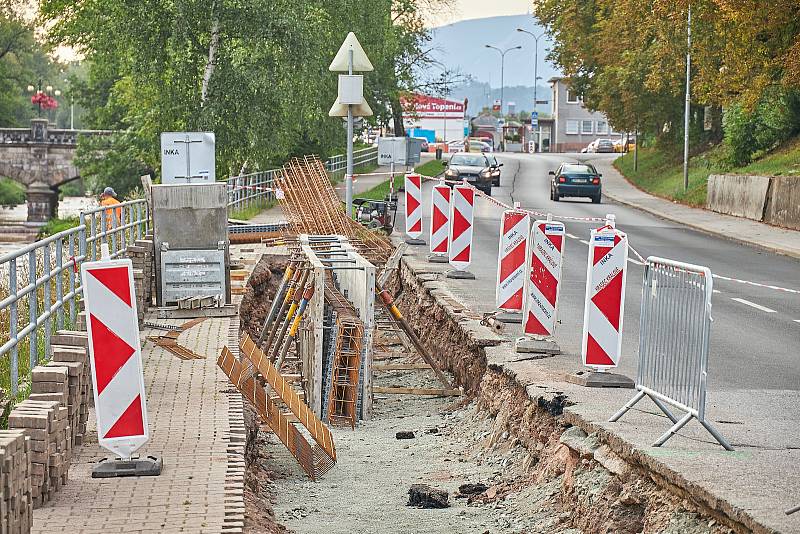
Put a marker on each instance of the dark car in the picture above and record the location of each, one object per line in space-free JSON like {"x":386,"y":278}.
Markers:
{"x":575,"y":180}
{"x":604,"y":146}
{"x":476,"y":169}
{"x":495,"y":170}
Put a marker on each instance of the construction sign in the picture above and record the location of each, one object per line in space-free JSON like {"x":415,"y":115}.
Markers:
{"x":511,"y":260}
{"x":605,"y":298}
{"x":116,"y":356}
{"x":547,"y":258}
{"x":413,"y":187}
{"x":440,"y":219}
{"x":461,"y":213}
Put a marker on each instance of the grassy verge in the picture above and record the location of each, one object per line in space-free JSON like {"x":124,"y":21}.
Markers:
{"x":11,"y":192}
{"x":662,"y":175}
{"x":245,"y":214}
{"x":380,"y":191}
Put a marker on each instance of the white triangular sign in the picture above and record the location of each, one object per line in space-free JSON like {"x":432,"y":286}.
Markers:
{"x":361,"y":62}
{"x":359,"y":110}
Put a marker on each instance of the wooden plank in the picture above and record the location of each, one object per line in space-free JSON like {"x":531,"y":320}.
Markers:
{"x":389,"y":355}
{"x":400,"y":366}
{"x":417,"y":391}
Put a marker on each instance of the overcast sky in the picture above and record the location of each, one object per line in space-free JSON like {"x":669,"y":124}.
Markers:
{"x":477,"y":9}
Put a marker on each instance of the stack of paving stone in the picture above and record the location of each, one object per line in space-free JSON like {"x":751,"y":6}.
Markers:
{"x":46,"y":425}
{"x":141,"y":255}
{"x":16,"y":505}
{"x":69,"y":350}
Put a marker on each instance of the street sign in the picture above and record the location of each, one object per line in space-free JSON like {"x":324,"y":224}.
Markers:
{"x":361,"y":62}
{"x":392,"y":150}
{"x":188,"y":157}
{"x":534,"y":114}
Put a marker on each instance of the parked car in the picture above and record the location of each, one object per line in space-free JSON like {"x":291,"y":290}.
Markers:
{"x":495,"y":169}
{"x":479,"y":146}
{"x":425,"y":146}
{"x":481,"y":141}
{"x":475,"y":168}
{"x":575,"y":180}
{"x":604,"y":146}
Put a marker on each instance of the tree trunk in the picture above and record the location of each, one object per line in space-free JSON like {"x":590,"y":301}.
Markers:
{"x":212,"y":53}
{"x":397,"y":118}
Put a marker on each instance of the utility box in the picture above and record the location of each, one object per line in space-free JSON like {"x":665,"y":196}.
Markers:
{"x":351,"y":89}
{"x":191,"y":241}
{"x":398,"y":150}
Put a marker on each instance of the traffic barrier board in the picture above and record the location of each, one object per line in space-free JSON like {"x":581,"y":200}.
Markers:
{"x":544,"y":284}
{"x":413,"y":187}
{"x":440,"y":219}
{"x":116,"y":356}
{"x":511,"y":260}
{"x":605,"y":298}
{"x":461,"y":213}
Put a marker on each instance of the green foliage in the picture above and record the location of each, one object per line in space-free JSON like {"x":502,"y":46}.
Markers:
{"x":55,"y":226}
{"x":11,"y":192}
{"x":381,"y":191}
{"x":748,"y":133}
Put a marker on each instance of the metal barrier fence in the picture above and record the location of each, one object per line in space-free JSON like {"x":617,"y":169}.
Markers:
{"x":43,"y":281}
{"x":674,"y":328}
{"x":363,"y":156}
{"x":249,"y":190}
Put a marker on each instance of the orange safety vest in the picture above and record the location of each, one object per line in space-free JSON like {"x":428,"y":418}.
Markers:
{"x":110,"y":201}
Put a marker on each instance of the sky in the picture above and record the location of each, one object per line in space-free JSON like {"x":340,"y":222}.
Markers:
{"x":477,"y":9}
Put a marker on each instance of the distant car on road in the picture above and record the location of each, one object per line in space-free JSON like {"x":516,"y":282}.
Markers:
{"x":425,"y":146}
{"x":476,"y":168}
{"x":479,"y":146}
{"x":575,"y":180}
{"x":495,"y":169}
{"x":599,"y":145}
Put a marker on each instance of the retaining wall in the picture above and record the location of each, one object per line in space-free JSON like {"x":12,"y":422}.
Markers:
{"x":770,"y":199}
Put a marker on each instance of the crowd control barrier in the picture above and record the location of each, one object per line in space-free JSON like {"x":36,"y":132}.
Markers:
{"x":674,"y":330}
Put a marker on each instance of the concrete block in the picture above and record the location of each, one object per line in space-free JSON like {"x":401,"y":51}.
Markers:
{"x":783,"y":204}
{"x":739,"y":195}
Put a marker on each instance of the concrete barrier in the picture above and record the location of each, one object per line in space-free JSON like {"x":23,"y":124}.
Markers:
{"x":783,"y":202}
{"x":739,"y":195}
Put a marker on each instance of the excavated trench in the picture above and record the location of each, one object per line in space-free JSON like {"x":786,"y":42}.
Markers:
{"x":544,"y":475}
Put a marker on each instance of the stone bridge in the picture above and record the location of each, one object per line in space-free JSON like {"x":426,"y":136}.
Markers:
{"x":40,"y":158}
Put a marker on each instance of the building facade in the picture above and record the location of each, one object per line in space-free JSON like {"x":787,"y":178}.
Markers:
{"x":574,"y":126}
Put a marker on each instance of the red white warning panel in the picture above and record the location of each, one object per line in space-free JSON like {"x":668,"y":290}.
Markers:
{"x":440,"y":219}
{"x":461,"y":213}
{"x":605,"y":298}
{"x":511,"y":260}
{"x":413,"y":187}
{"x":116,"y":356}
{"x":547,"y":258}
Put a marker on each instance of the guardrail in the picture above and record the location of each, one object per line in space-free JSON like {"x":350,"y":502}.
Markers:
{"x":362,"y":156}
{"x":674,"y":328}
{"x":42,"y":281}
{"x":248,"y":190}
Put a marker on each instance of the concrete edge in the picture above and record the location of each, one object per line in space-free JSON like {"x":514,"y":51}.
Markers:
{"x":629,"y":452}
{"x":661,"y":215}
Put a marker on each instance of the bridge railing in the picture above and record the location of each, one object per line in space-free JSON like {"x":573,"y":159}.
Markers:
{"x":40,"y":283}
{"x":337,"y":165}
{"x":251,"y":190}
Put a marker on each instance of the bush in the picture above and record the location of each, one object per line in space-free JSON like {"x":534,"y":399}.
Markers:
{"x":55,"y":226}
{"x":11,"y":193}
{"x":750,"y":133}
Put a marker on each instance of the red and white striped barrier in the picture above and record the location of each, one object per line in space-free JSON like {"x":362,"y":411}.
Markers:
{"x":511,"y":260}
{"x":413,"y":187}
{"x":116,"y":356}
{"x":440,"y":219}
{"x":547,"y":258}
{"x":461,"y":213}
{"x":605,"y":298}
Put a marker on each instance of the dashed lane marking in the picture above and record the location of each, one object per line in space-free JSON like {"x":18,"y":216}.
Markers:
{"x":754,"y":305}
{"x":716,"y":291}
{"x":797,"y":320}
{"x":583,"y":241}
{"x":572,"y":236}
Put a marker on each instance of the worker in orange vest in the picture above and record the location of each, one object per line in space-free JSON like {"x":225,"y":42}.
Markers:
{"x":108,"y":198}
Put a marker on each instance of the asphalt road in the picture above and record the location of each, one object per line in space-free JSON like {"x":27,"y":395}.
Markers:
{"x":755,"y":341}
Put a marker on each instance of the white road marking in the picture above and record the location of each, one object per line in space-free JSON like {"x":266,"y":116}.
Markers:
{"x":777,"y":288}
{"x":583,"y":241}
{"x":754,"y":305}
{"x":635,"y":262}
{"x":716,"y":291}
{"x":572,"y":236}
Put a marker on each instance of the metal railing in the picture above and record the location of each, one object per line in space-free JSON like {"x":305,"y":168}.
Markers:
{"x":249,"y":190}
{"x":363,"y":156}
{"x":674,"y":328}
{"x":42,"y":281}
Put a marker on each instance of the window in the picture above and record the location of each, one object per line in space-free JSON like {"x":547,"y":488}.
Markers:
{"x":572,"y":126}
{"x":586,"y":127}
{"x":573,"y":97}
{"x":602,"y":127}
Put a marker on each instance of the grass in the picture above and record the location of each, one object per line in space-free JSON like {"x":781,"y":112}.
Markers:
{"x":55,"y":226}
{"x":11,"y":192}
{"x":662,"y":175}
{"x":245,"y":214}
{"x":380,"y":191}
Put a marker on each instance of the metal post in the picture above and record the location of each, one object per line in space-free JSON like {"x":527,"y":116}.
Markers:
{"x":13,"y":318}
{"x":93,"y":235}
{"x":60,"y":284}
{"x":687,"y":106}
{"x":46,"y":300}
{"x":636,"y":151}
{"x":72,"y":279}
{"x":32,"y":313}
{"x":349,"y":176}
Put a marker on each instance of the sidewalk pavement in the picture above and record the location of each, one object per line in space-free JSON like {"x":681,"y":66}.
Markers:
{"x":753,"y":233}
{"x":196,"y":425}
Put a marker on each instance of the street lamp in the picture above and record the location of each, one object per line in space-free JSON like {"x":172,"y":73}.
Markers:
{"x":502,"y":74}
{"x":37,"y":90}
{"x":535,"y":70}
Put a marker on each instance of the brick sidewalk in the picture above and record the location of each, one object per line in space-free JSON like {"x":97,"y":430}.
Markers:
{"x":195,"y":425}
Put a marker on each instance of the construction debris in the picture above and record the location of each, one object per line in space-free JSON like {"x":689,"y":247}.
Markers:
{"x":404,"y":434}
{"x":169,"y":341}
{"x":424,"y":496}
{"x":17,"y":500}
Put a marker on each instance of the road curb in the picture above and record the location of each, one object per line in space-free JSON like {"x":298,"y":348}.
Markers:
{"x":661,"y":215}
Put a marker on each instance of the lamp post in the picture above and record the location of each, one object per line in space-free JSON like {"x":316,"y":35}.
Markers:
{"x":502,"y":76}
{"x":535,"y":74}
{"x":37,"y":90}
{"x":687,"y":105}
